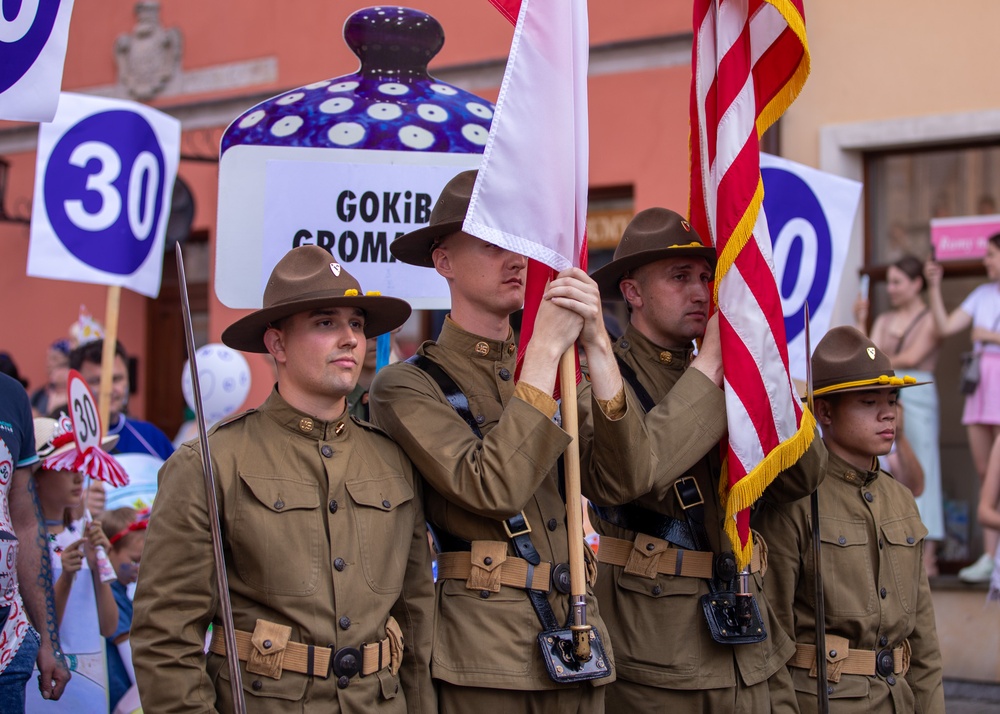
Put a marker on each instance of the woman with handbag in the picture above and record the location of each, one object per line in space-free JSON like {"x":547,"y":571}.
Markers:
{"x":981,"y":311}
{"x":907,"y":335}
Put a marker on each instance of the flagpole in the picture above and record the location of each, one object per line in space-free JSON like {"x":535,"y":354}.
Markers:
{"x":108,"y":353}
{"x":574,"y":512}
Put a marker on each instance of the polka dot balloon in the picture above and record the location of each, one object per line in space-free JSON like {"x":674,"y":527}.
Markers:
{"x":390,"y":103}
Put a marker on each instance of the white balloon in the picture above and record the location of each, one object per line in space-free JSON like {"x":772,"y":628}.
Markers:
{"x":225,"y":381}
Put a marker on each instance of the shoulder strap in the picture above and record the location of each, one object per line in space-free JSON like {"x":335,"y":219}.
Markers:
{"x":452,"y":392}
{"x":909,"y":329}
{"x":629,"y":375}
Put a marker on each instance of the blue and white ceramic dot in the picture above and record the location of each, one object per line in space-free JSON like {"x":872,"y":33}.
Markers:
{"x":391,"y":103}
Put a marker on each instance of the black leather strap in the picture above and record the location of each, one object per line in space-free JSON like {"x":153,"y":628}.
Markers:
{"x":641,"y":520}
{"x":517,"y":526}
{"x":645,"y":401}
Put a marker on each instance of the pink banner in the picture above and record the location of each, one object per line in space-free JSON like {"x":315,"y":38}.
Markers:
{"x":962,"y":237}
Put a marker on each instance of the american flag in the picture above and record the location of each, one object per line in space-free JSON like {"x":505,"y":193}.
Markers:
{"x":749,"y":61}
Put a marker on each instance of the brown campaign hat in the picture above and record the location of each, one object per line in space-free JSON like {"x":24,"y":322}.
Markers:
{"x":447,"y":217}
{"x":653,"y":234}
{"x":847,"y":361}
{"x":308,"y":278}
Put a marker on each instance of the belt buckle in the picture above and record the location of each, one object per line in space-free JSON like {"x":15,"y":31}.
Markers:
{"x":346,"y":662}
{"x":680,"y":497}
{"x":884,"y":662}
{"x":524,"y":531}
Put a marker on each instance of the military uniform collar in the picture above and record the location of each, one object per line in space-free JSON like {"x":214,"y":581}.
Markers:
{"x":643,"y":348}
{"x":301,"y":423}
{"x":851,"y":474}
{"x":465,"y":343}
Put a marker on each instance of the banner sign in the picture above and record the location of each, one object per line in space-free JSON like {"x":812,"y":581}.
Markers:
{"x":103,"y":184}
{"x":962,"y":237}
{"x":810,"y":215}
{"x":33,"y":38}
{"x":353,"y":203}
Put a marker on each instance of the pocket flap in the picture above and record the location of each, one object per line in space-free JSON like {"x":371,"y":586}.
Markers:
{"x":837,"y":648}
{"x":907,"y":531}
{"x":842,"y":533}
{"x":384,"y":494}
{"x":281,"y":494}
{"x":269,"y":637}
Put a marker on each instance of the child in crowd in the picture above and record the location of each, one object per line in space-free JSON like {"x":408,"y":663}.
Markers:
{"x":85,"y":605}
{"x":881,"y":643}
{"x":126,"y":531}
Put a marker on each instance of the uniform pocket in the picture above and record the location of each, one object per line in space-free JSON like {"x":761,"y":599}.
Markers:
{"x":903,"y":538}
{"x":276,"y":535}
{"x":845,"y":550}
{"x":384,"y":516}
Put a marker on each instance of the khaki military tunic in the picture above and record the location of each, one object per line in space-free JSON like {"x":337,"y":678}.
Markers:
{"x":323,"y":532}
{"x":874,"y":584}
{"x":486,"y":639}
{"x":661,"y":637}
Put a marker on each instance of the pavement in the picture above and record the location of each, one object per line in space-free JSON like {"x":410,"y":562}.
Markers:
{"x":964,"y":697}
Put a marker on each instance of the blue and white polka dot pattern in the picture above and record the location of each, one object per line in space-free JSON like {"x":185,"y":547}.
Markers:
{"x":391,"y":103}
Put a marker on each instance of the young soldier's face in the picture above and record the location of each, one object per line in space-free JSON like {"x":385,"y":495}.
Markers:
{"x":321,"y":352}
{"x":858,"y":426}
{"x":670,"y":300}
{"x":482,"y":273}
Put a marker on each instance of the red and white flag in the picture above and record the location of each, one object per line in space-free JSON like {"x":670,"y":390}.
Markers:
{"x":531,"y":193}
{"x":749,"y":61}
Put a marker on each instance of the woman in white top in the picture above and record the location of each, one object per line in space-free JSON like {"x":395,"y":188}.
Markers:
{"x":981,"y":311}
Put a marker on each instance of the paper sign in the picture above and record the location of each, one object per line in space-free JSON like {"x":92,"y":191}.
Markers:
{"x":353,"y":203}
{"x":83,"y":413}
{"x":962,"y":237}
{"x":33,"y":36}
{"x":103,"y":185}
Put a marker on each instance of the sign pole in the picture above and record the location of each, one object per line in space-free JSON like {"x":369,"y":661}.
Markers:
{"x":108,"y":354}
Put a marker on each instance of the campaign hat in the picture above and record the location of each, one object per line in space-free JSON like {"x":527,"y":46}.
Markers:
{"x":54,"y":437}
{"x":653,"y":234}
{"x":308,"y":278}
{"x":447,"y":217}
{"x":847,"y":361}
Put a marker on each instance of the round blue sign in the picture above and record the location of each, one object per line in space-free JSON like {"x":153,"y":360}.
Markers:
{"x":803,"y":247}
{"x":104,"y":190}
{"x":25,"y":26}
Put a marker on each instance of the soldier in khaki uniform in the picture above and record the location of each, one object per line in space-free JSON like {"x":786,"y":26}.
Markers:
{"x":486,"y":655}
{"x":324,"y":534}
{"x":650,"y":583}
{"x":881,"y":642}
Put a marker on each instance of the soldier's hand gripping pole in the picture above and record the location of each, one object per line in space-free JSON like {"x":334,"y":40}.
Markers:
{"x":822,"y":692}
{"x":221,"y":581}
{"x":574,"y":511}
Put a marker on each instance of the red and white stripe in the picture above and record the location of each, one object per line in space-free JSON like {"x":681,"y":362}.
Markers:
{"x":750,"y":59}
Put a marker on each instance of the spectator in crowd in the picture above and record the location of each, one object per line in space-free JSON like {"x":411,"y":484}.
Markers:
{"x":907,"y":335}
{"x":84,"y":603}
{"x":126,"y":531}
{"x":134,"y":435}
{"x":50,"y":398}
{"x":981,"y":311}
{"x":26,"y":589}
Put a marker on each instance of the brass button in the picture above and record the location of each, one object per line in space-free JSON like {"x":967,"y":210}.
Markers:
{"x":305,"y":424}
{"x":482,"y":348}
{"x":326,"y":451}
{"x":511,"y":349}
{"x":339,"y":429}
{"x":666,"y":357}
